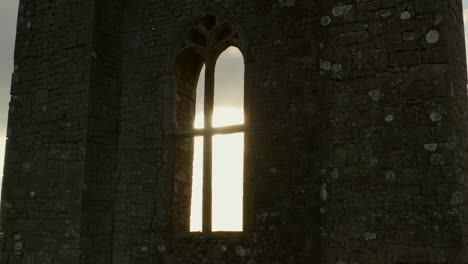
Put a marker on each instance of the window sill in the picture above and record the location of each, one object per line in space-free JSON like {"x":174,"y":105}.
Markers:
{"x":212,"y":235}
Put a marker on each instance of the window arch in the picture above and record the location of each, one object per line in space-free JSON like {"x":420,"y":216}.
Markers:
{"x":206,"y":44}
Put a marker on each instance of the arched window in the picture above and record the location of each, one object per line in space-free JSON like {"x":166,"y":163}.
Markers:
{"x":222,"y":145}
{"x":209,"y":157}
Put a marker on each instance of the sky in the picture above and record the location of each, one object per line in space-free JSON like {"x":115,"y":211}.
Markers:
{"x":465,"y":13}
{"x":8,"y":16}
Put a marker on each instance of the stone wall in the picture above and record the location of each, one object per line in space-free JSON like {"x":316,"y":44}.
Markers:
{"x":395,"y":185}
{"x":355,"y":141}
{"x":46,"y":146}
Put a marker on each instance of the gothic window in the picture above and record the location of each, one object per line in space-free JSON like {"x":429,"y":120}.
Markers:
{"x":209,"y":133}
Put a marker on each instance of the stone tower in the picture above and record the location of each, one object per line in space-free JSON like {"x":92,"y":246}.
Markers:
{"x":356,"y":136}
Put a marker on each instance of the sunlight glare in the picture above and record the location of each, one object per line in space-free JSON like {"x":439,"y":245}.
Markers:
{"x":228,"y":168}
{"x":228,"y":153}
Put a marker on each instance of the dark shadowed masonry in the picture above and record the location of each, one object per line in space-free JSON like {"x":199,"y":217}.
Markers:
{"x":355,"y":132}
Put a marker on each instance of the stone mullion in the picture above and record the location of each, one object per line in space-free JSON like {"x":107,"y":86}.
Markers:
{"x":207,"y":148}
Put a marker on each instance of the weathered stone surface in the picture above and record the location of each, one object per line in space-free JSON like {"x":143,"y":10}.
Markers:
{"x":356,"y":141}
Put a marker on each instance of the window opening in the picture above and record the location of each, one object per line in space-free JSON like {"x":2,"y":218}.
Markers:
{"x":228,"y":150}
{"x":218,"y":146}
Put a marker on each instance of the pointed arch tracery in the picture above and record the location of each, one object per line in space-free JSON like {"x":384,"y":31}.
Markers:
{"x":210,"y":35}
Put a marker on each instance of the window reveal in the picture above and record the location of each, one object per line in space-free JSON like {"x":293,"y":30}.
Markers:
{"x":209,"y":156}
